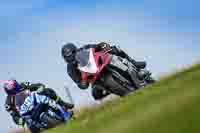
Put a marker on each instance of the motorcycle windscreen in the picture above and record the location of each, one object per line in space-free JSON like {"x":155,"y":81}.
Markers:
{"x":87,"y":61}
{"x":83,"y":57}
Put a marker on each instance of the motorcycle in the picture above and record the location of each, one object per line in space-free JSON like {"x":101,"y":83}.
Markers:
{"x":40,"y":113}
{"x":116,"y":74}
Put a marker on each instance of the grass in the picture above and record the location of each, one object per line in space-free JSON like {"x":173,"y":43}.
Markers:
{"x":169,"y":106}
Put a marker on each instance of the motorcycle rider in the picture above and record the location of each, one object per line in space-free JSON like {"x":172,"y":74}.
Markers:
{"x":69,"y":51}
{"x":13,"y":88}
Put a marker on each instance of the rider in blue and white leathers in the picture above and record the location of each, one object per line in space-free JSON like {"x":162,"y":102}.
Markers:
{"x":27,"y":109}
{"x":16,"y":92}
{"x":31,"y":101}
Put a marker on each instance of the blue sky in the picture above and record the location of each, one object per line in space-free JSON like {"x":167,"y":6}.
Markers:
{"x":165,"y":33}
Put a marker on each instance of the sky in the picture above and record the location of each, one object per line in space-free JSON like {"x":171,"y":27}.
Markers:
{"x":163,"y":33}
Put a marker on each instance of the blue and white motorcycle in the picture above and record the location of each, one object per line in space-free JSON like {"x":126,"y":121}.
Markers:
{"x":40,"y":112}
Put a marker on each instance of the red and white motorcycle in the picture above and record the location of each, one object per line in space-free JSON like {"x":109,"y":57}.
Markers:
{"x":116,"y":74}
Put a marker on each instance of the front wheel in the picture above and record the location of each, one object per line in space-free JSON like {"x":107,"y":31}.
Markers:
{"x":99,"y":93}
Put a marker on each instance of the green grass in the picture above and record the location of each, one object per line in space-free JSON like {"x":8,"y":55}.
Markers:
{"x":169,"y":106}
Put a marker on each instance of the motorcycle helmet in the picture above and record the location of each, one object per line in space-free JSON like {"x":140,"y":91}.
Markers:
{"x":12,"y":87}
{"x":68,"y":52}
